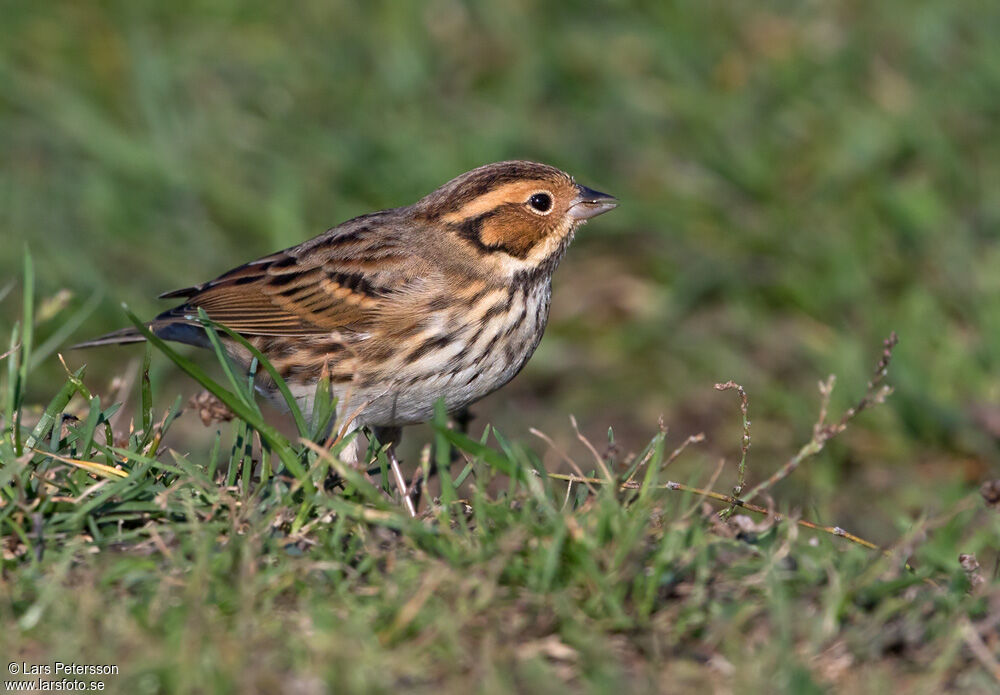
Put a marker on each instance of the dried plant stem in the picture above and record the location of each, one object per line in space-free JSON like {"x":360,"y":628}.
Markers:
{"x":813,"y":447}
{"x":876,"y":393}
{"x":980,"y":649}
{"x":728,"y":499}
{"x":744,"y":443}
{"x":711,"y":484}
{"x":692,"y":439}
{"x":397,"y":473}
{"x":597,"y":457}
{"x":10,"y":352}
{"x":552,"y":445}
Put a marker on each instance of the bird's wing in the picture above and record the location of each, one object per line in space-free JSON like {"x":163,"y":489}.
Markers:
{"x":340,"y":280}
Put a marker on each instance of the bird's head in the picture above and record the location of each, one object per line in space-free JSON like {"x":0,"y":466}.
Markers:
{"x":518,"y":216}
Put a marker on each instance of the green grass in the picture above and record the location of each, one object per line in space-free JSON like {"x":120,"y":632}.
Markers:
{"x":244,"y":571}
{"x":797,"y":180}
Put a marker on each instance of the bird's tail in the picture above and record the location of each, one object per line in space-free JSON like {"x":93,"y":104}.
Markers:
{"x":122,"y":337}
{"x":177,"y":330}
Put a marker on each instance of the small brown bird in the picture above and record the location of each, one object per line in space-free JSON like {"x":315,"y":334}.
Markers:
{"x":443,"y":299}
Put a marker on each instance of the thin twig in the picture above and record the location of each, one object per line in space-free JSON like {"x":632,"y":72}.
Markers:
{"x":825,"y":390}
{"x":11,"y":351}
{"x":742,"y":504}
{"x":569,"y":492}
{"x":711,"y":483}
{"x":397,"y":473}
{"x":545,"y":438}
{"x":744,"y":442}
{"x":979,"y":649}
{"x":597,"y":457}
{"x":875,"y":394}
{"x":421,"y":475}
{"x":692,"y":439}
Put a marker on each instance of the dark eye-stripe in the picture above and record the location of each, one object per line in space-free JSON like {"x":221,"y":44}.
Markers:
{"x":471,"y":230}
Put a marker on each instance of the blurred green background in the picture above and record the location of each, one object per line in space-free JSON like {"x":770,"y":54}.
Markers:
{"x":797,"y":179}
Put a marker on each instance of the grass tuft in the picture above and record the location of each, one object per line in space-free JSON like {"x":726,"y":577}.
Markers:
{"x":280,"y":564}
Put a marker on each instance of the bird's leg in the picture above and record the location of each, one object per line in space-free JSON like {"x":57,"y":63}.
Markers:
{"x":353,"y":454}
{"x":389,"y":437}
{"x":462,"y":418}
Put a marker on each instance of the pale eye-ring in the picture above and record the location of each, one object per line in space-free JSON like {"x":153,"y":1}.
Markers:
{"x":541,"y":202}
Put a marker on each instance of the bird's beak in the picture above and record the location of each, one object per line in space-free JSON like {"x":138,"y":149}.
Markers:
{"x":590,"y":203}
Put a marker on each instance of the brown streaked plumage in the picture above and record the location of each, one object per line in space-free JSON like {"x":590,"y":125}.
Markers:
{"x":446,"y":298}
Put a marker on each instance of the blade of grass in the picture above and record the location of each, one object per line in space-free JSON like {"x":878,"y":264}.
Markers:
{"x":274,"y":439}
{"x":355,"y":478}
{"x":89,"y":427}
{"x":146,"y":391}
{"x":27,"y":337}
{"x":227,"y":363}
{"x":324,"y":409}
{"x":56,"y":406}
{"x":443,"y":457}
{"x":10,"y":393}
{"x":493,"y":458}
{"x":279,"y":382}
{"x":213,"y":458}
{"x":91,"y":466}
{"x":651,"y":479}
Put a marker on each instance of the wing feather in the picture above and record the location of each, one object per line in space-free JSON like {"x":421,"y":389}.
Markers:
{"x":318,"y":287}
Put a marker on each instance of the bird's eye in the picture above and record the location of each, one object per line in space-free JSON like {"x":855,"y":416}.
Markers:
{"x":540,"y":202}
